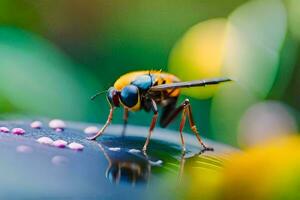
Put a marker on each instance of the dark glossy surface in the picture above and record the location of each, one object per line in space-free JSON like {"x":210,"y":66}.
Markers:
{"x":110,"y":168}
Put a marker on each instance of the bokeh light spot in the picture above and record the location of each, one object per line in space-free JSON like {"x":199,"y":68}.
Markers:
{"x":265,"y":121}
{"x":255,"y":35}
{"x":199,"y":55}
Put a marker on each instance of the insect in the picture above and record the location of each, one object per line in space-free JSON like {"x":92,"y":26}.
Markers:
{"x":146,"y":90}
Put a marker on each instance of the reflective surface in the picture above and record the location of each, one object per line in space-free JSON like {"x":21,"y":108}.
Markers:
{"x":110,"y":168}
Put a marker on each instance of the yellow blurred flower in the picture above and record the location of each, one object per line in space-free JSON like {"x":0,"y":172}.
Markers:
{"x":269,"y":171}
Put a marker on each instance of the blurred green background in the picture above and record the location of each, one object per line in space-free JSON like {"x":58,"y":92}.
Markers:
{"x":55,"y":54}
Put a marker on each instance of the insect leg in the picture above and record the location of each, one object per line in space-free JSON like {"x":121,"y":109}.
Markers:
{"x":182,"y":123}
{"x":186,"y":109}
{"x":167,"y":110}
{"x":181,"y":167}
{"x":152,"y":125}
{"x":193,"y":126}
{"x":101,"y":131}
{"x":125,"y":118}
{"x":171,"y":115}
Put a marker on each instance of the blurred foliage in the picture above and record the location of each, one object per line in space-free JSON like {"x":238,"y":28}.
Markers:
{"x":294,"y":17}
{"x":55,"y":55}
{"x":40,"y":77}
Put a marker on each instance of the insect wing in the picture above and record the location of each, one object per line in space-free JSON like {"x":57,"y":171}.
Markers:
{"x":187,"y":84}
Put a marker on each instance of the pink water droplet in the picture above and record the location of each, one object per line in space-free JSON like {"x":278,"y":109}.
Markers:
{"x":76,"y":146}
{"x":59,"y":130}
{"x":4,"y":129}
{"x":57,"y":123}
{"x":18,"y":131}
{"x":59,"y":160}
{"x":91,"y":130}
{"x":36,"y":124}
{"x":45,"y":140}
{"x":60,"y":143}
{"x":24,"y":149}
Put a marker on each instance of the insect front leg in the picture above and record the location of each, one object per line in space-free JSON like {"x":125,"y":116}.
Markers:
{"x":101,"y":131}
{"x":125,"y":118}
{"x":153,"y":123}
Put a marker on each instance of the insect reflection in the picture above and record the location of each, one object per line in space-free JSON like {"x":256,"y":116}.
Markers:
{"x":126,"y":169}
{"x":123,"y":167}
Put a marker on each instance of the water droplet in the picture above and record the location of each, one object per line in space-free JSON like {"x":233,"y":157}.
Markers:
{"x":24,"y":149}
{"x":91,"y":130}
{"x":59,"y":160}
{"x":156,"y":163}
{"x":18,"y":131}
{"x":134,"y":151}
{"x":60,"y":143}
{"x":114,"y":148}
{"x":45,"y":140}
{"x":36,"y":124}
{"x":57,"y":123}
{"x":76,"y":146}
{"x":4,"y":129}
{"x":59,"y":130}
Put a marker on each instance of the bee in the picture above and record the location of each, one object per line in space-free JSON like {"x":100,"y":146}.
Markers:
{"x":146,"y":90}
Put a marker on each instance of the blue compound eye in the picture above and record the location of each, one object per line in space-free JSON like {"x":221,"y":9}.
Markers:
{"x":113,"y":97}
{"x":130,"y":96}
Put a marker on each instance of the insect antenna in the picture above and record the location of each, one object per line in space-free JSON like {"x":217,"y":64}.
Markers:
{"x":97,"y":94}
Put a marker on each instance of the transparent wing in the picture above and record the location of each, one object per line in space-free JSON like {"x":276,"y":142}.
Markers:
{"x":187,"y":84}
